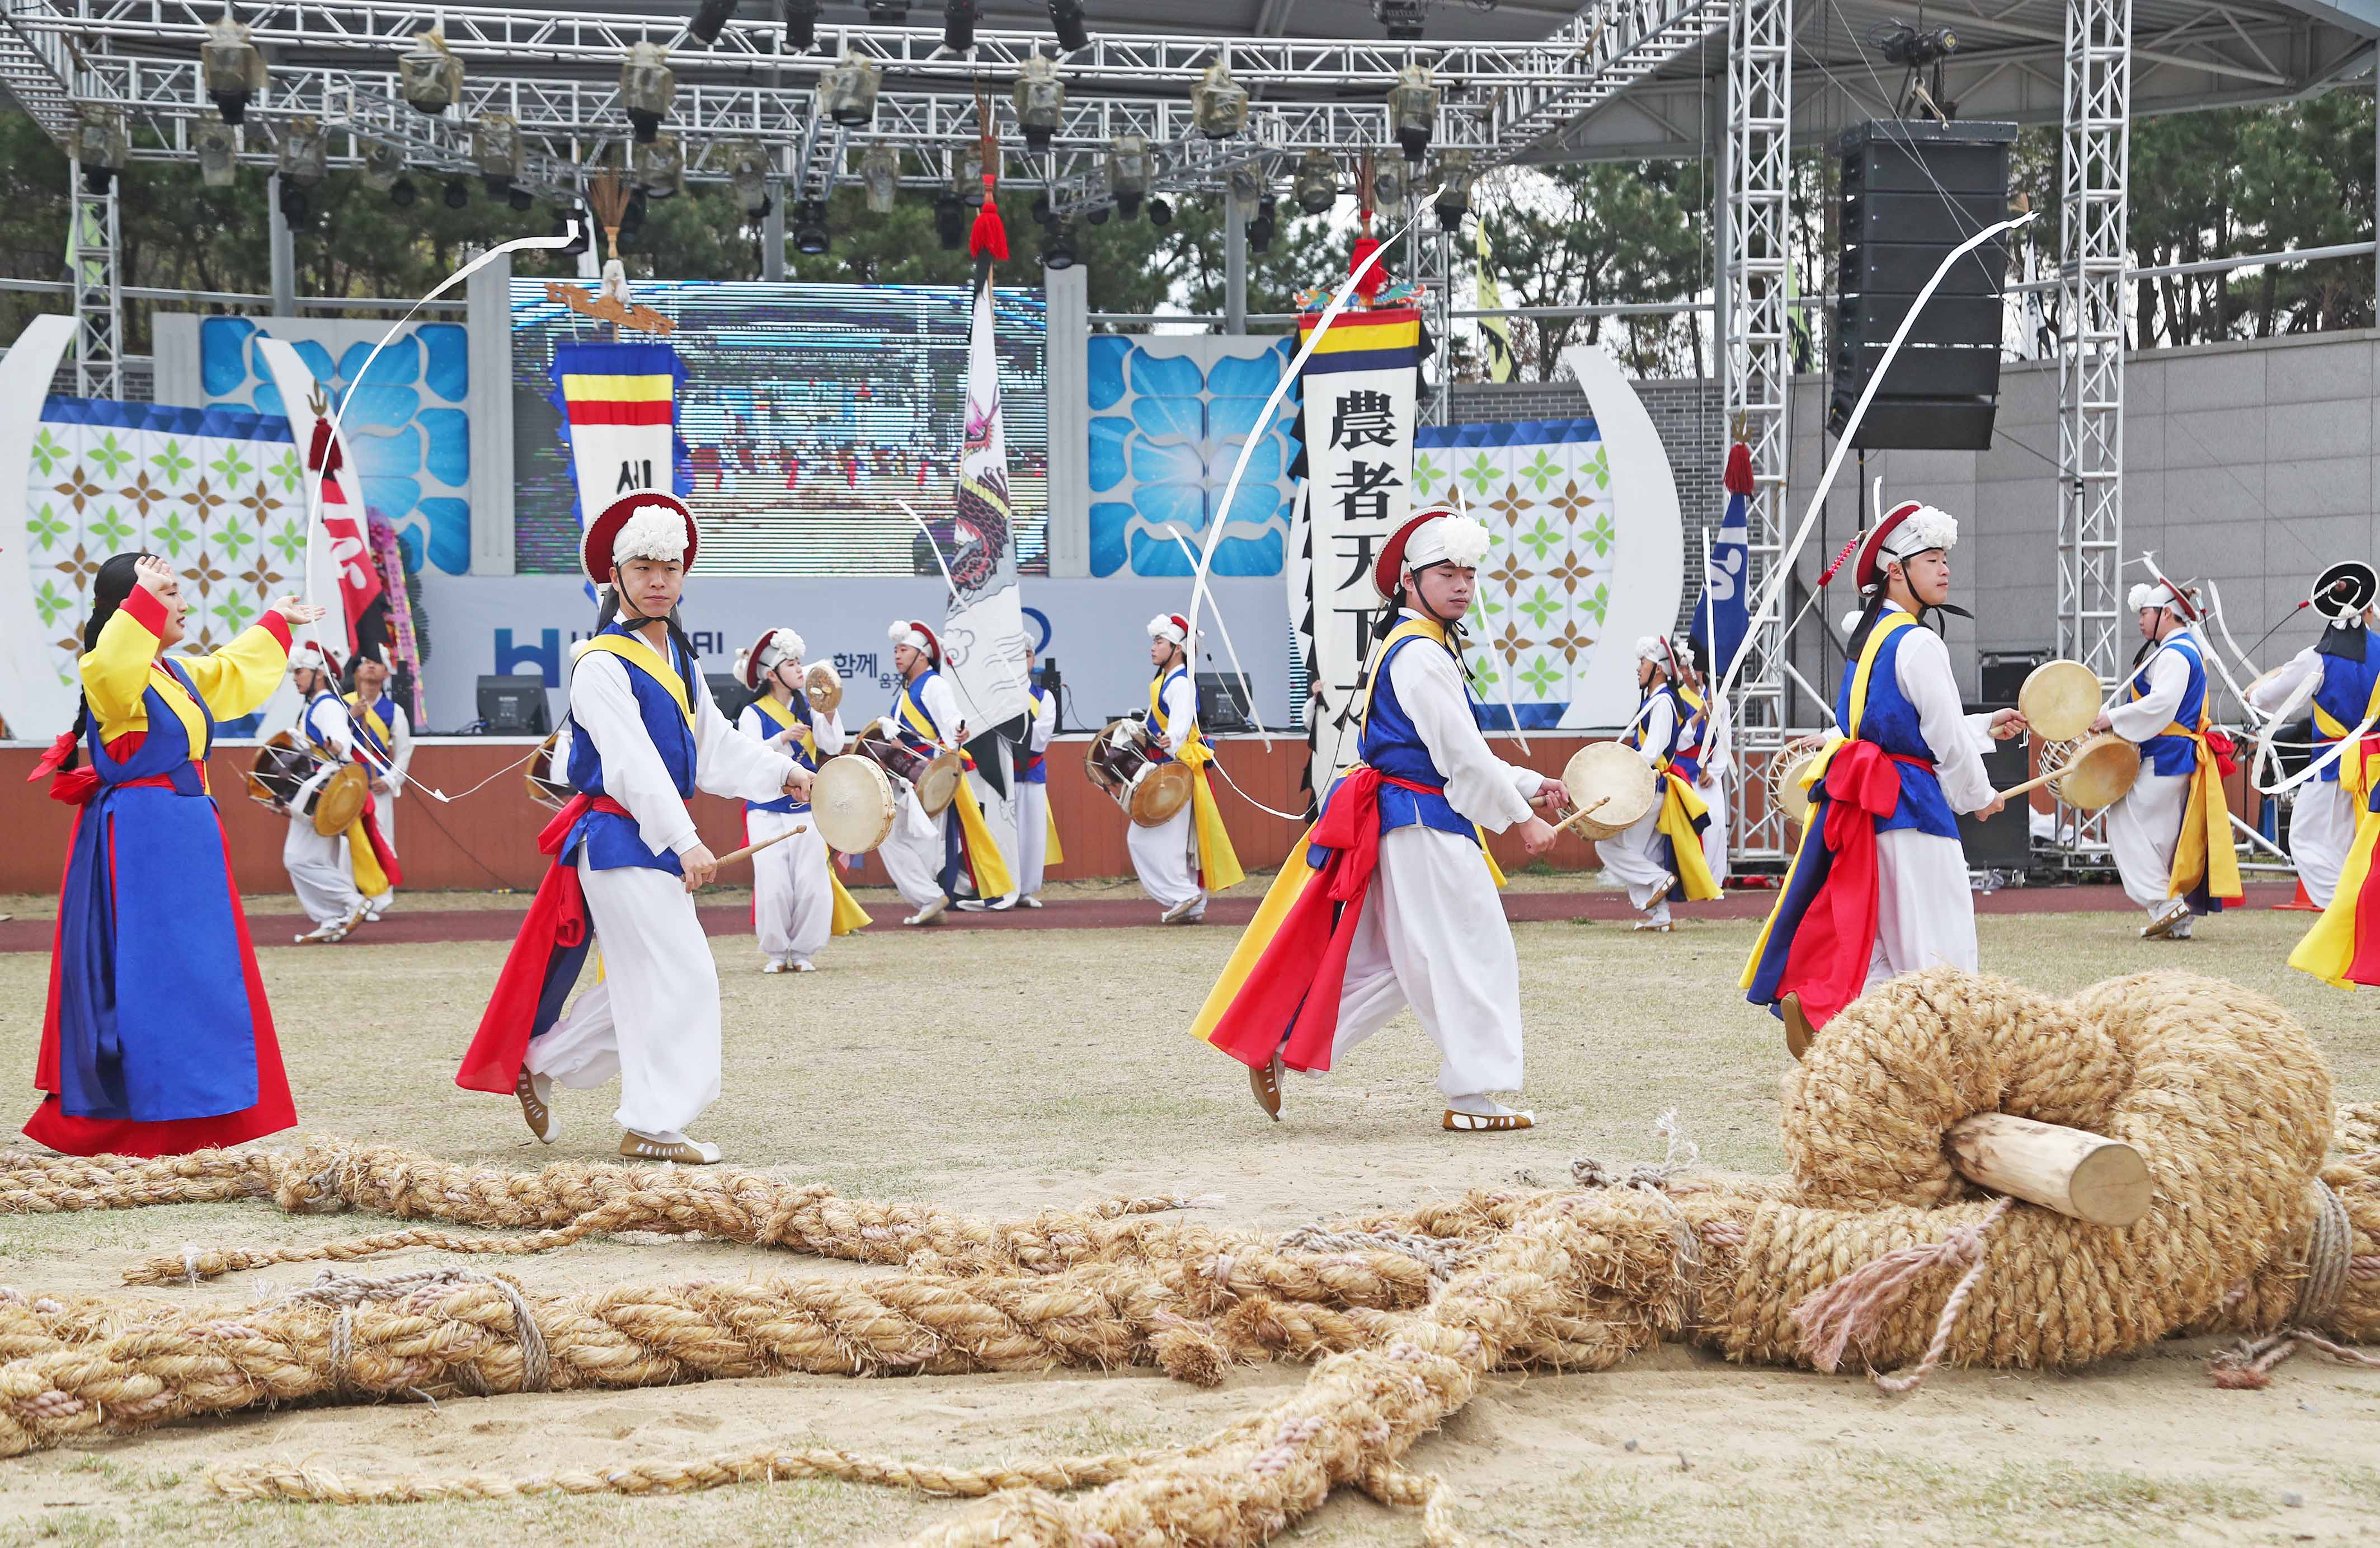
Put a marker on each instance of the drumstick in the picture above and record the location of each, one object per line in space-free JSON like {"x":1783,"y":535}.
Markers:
{"x":750,"y":850}
{"x":2034,"y":784}
{"x":1583,"y":811}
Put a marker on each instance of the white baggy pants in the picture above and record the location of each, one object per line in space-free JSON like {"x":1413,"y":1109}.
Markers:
{"x":2322,"y":829}
{"x":792,"y":891}
{"x":318,"y":872}
{"x":2143,"y":829}
{"x":1433,"y":936}
{"x":1633,"y":858}
{"x":999,"y":820}
{"x":1925,"y":910}
{"x":1032,"y":836}
{"x":653,"y":1020}
{"x":1166,"y":857}
{"x":913,"y":853}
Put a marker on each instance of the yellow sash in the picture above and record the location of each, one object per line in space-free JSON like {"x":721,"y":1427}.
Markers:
{"x":632,"y":648}
{"x":2356,"y":765}
{"x":992,"y":878}
{"x":1681,"y":808}
{"x":848,"y":915}
{"x":1416,"y":629}
{"x":2328,"y":949}
{"x":1219,"y":863}
{"x":782,"y":715}
{"x":2206,"y":849}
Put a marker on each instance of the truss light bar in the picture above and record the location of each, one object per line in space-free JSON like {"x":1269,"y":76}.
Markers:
{"x":495,"y":151}
{"x":1316,"y":184}
{"x":748,"y":174}
{"x":1401,"y":19}
{"x":1128,"y":172}
{"x":1413,"y":110}
{"x":648,"y":87}
{"x":1453,"y":201}
{"x":657,"y":167}
{"x":1218,"y":103}
{"x":234,"y":69}
{"x":383,"y":165}
{"x":219,"y":154}
{"x":431,"y":77}
{"x":809,"y":228}
{"x":950,"y":221}
{"x":305,"y":152}
{"x":101,"y":146}
{"x":1040,"y":103}
{"x":849,"y":90}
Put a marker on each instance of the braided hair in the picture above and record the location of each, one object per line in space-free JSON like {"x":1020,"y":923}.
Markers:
{"x":109,"y":590}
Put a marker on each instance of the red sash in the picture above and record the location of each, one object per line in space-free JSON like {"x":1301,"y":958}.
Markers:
{"x":1836,"y":940}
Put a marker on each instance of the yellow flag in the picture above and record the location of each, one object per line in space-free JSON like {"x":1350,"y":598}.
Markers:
{"x":1496,"y":332}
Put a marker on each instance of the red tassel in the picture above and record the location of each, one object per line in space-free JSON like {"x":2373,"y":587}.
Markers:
{"x":990,"y":237}
{"x":1377,"y":279}
{"x":75,"y":786}
{"x":1739,"y":469}
{"x":54,"y":757}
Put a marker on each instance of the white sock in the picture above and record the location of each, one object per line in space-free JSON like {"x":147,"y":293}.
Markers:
{"x":1660,"y":914}
{"x":1479,"y":1104}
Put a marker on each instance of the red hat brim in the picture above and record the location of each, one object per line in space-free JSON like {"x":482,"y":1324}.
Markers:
{"x":933,"y":642}
{"x":1388,"y":570}
{"x":1870,"y":569}
{"x":595,"y":547}
{"x":752,"y":658}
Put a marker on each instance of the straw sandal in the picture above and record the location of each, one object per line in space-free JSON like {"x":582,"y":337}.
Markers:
{"x":1264,"y":1080}
{"x":534,"y":1109}
{"x":1799,"y":1033}
{"x":1486,"y":1123}
{"x":686,"y":1153}
{"x":2162,"y":927}
{"x":930,"y":914}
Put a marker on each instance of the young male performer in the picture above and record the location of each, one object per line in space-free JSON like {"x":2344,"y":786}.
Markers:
{"x":384,"y":739}
{"x":1037,"y":830}
{"x":2344,"y":673}
{"x":627,"y":860}
{"x":2171,"y":832}
{"x":1660,"y":857}
{"x":927,"y":856}
{"x":1188,"y":856}
{"x":1391,"y":899}
{"x":796,"y":902}
{"x":1878,"y":887}
{"x":320,"y":870}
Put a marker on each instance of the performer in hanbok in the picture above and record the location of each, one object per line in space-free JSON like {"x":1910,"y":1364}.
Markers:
{"x":929,"y":857}
{"x":320,"y":871}
{"x":384,"y":736}
{"x":1710,"y":760}
{"x":627,"y":861}
{"x":1037,"y":830}
{"x":1188,"y":856}
{"x":798,"y":902}
{"x":2171,"y":832}
{"x":1660,"y":857}
{"x":1878,"y":887}
{"x":157,"y":1039}
{"x":2340,"y":675}
{"x":1390,"y":899}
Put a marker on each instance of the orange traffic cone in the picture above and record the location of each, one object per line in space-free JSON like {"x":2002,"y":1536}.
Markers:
{"x":2300,"y":904}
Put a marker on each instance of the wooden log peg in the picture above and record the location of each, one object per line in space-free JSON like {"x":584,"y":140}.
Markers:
{"x":2072,"y":1171}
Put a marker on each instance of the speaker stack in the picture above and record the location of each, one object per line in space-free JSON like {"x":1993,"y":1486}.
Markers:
{"x":1911,"y":192}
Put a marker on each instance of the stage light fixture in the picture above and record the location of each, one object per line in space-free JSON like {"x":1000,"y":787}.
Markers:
{"x":887,"y":13}
{"x":234,"y":69}
{"x":849,"y":90}
{"x":1453,"y":201}
{"x":496,"y":151}
{"x":966,"y":175}
{"x":1129,"y":169}
{"x":1247,"y":182}
{"x":1159,"y":213}
{"x":383,"y":165}
{"x":1315,"y":185}
{"x":801,"y":18}
{"x":297,"y":208}
{"x":748,"y":174}
{"x":648,"y":87}
{"x":1413,"y":110}
{"x":1219,"y":104}
{"x":1099,"y":217}
{"x":1058,"y":252}
{"x":958,"y":24}
{"x":1040,"y":103}
{"x":457,"y":195}
{"x":809,"y":228}
{"x":402,"y":193}
{"x":101,"y":146}
{"x":950,"y":221}
{"x":521,"y":200}
{"x":711,"y":20}
{"x":1073,"y":27}
{"x":1388,"y":186}
{"x":1401,"y":19}
{"x":305,"y":152}
{"x":880,"y":177}
{"x":1041,"y":211}
{"x":658,"y":169}
{"x":218,"y":155}
{"x":428,"y":74}
{"x":1263,"y":225}
{"x":632,"y":219}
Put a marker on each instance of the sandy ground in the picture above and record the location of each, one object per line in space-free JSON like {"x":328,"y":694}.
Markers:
{"x":999,"y":1073}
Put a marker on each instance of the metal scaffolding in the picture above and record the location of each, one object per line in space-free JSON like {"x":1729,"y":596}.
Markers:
{"x":98,"y":283}
{"x":2092,"y":254}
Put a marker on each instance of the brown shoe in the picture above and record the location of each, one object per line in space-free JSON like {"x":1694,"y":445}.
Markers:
{"x":534,"y":1110}
{"x":1264,"y":1080}
{"x":686,"y":1153}
{"x":1798,"y":1030}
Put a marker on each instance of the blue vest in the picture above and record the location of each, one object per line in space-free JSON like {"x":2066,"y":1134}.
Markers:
{"x":1392,"y":745}
{"x":801,"y":747}
{"x":612,"y":841}
{"x":306,"y":720}
{"x":2178,"y":755}
{"x":1681,"y":721}
{"x":1889,"y":721}
{"x":383,"y":707}
{"x":1158,"y":724}
{"x":2345,"y":695}
{"x":914,"y":692}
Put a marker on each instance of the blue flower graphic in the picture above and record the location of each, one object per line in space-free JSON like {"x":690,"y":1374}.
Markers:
{"x":1165,"y":436}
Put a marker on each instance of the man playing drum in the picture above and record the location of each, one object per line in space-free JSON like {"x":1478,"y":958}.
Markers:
{"x":2340,"y":674}
{"x":2171,"y":832}
{"x":1186,"y":857}
{"x":320,"y":871}
{"x":1660,"y":857}
{"x":796,"y":902}
{"x":929,"y":855}
{"x":1878,"y":885}
{"x":1391,"y":898}
{"x":385,"y":737}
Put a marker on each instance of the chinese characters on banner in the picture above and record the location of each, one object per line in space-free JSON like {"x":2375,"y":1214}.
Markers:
{"x":1358,"y":389}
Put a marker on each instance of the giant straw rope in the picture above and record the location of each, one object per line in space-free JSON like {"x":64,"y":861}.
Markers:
{"x":1871,"y":1248}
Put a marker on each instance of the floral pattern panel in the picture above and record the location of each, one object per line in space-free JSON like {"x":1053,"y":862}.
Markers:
{"x":408,"y":426}
{"x":1169,"y":417}
{"x":219,"y":492}
{"x":1544,"y":489}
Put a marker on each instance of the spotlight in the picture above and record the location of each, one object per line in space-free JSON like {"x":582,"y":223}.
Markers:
{"x":428,"y":74}
{"x":1453,"y":197}
{"x":1066,"y":18}
{"x":1218,"y":103}
{"x":218,"y":154}
{"x":658,"y":169}
{"x":809,"y":227}
{"x":495,"y":151}
{"x":958,"y":24}
{"x":648,"y":86}
{"x":458,"y":194}
{"x":1401,"y":18}
{"x":101,"y":146}
{"x":1128,"y":172}
{"x":520,"y":201}
{"x":1388,"y":186}
{"x":383,"y":165}
{"x":887,"y":13}
{"x":748,"y":174}
{"x":966,"y":175}
{"x":880,"y":177}
{"x":305,"y":152}
{"x":1262,"y":226}
{"x":578,"y":241}
{"x":1040,"y":103}
{"x":401,"y":193}
{"x":1100,"y":215}
{"x":1058,"y":252}
{"x":849,"y":89}
{"x":632,"y":219}
{"x":950,"y":221}
{"x":1041,"y":209}
{"x":1159,"y":213}
{"x":1316,"y":184}
{"x":234,"y":69}
{"x":710,"y":19}
{"x":1413,"y":110}
{"x":1248,"y":183}
{"x":296,"y":208}
{"x":801,"y":25}
{"x":1904,"y":45}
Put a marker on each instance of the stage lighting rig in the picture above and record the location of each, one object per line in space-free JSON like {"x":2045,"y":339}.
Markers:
{"x":1066,"y":18}
{"x":658,"y":169}
{"x":1129,"y":168}
{"x":428,"y":74}
{"x":849,"y":90}
{"x":1453,"y":201}
{"x":1247,"y":182}
{"x":1401,"y":19}
{"x":1315,"y":185}
{"x":563,"y":221}
{"x":880,"y":177}
{"x":101,"y":146}
{"x":748,"y":174}
{"x":950,"y":221}
{"x":710,"y":19}
{"x":966,"y":175}
{"x":1058,"y":252}
{"x":1389,"y":187}
{"x":234,"y":69}
{"x":648,"y":87}
{"x":218,"y":155}
{"x":1040,"y":103}
{"x":1413,"y":110}
{"x":402,"y":193}
{"x":958,"y":24}
{"x":887,"y":13}
{"x":809,"y":227}
{"x":632,"y":219}
{"x":495,"y":151}
{"x":1263,"y":225}
{"x":801,"y":18}
{"x":457,"y":195}
{"x":1159,"y":213}
{"x":1918,"y":51}
{"x":1219,"y":104}
{"x":383,"y":165}
{"x":305,"y":152}
{"x":1099,"y":217}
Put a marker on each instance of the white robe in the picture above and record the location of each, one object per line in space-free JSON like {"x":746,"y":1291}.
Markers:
{"x":1033,"y":804}
{"x":2322,"y":814}
{"x":913,"y":852}
{"x":1166,"y":857}
{"x":653,"y":1019}
{"x":1433,"y":933}
{"x":793,"y":888}
{"x":1633,"y":856}
{"x":319,"y":871}
{"x":2145,"y":827}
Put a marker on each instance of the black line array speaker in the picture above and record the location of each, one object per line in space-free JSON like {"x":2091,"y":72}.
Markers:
{"x":1911,"y":193}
